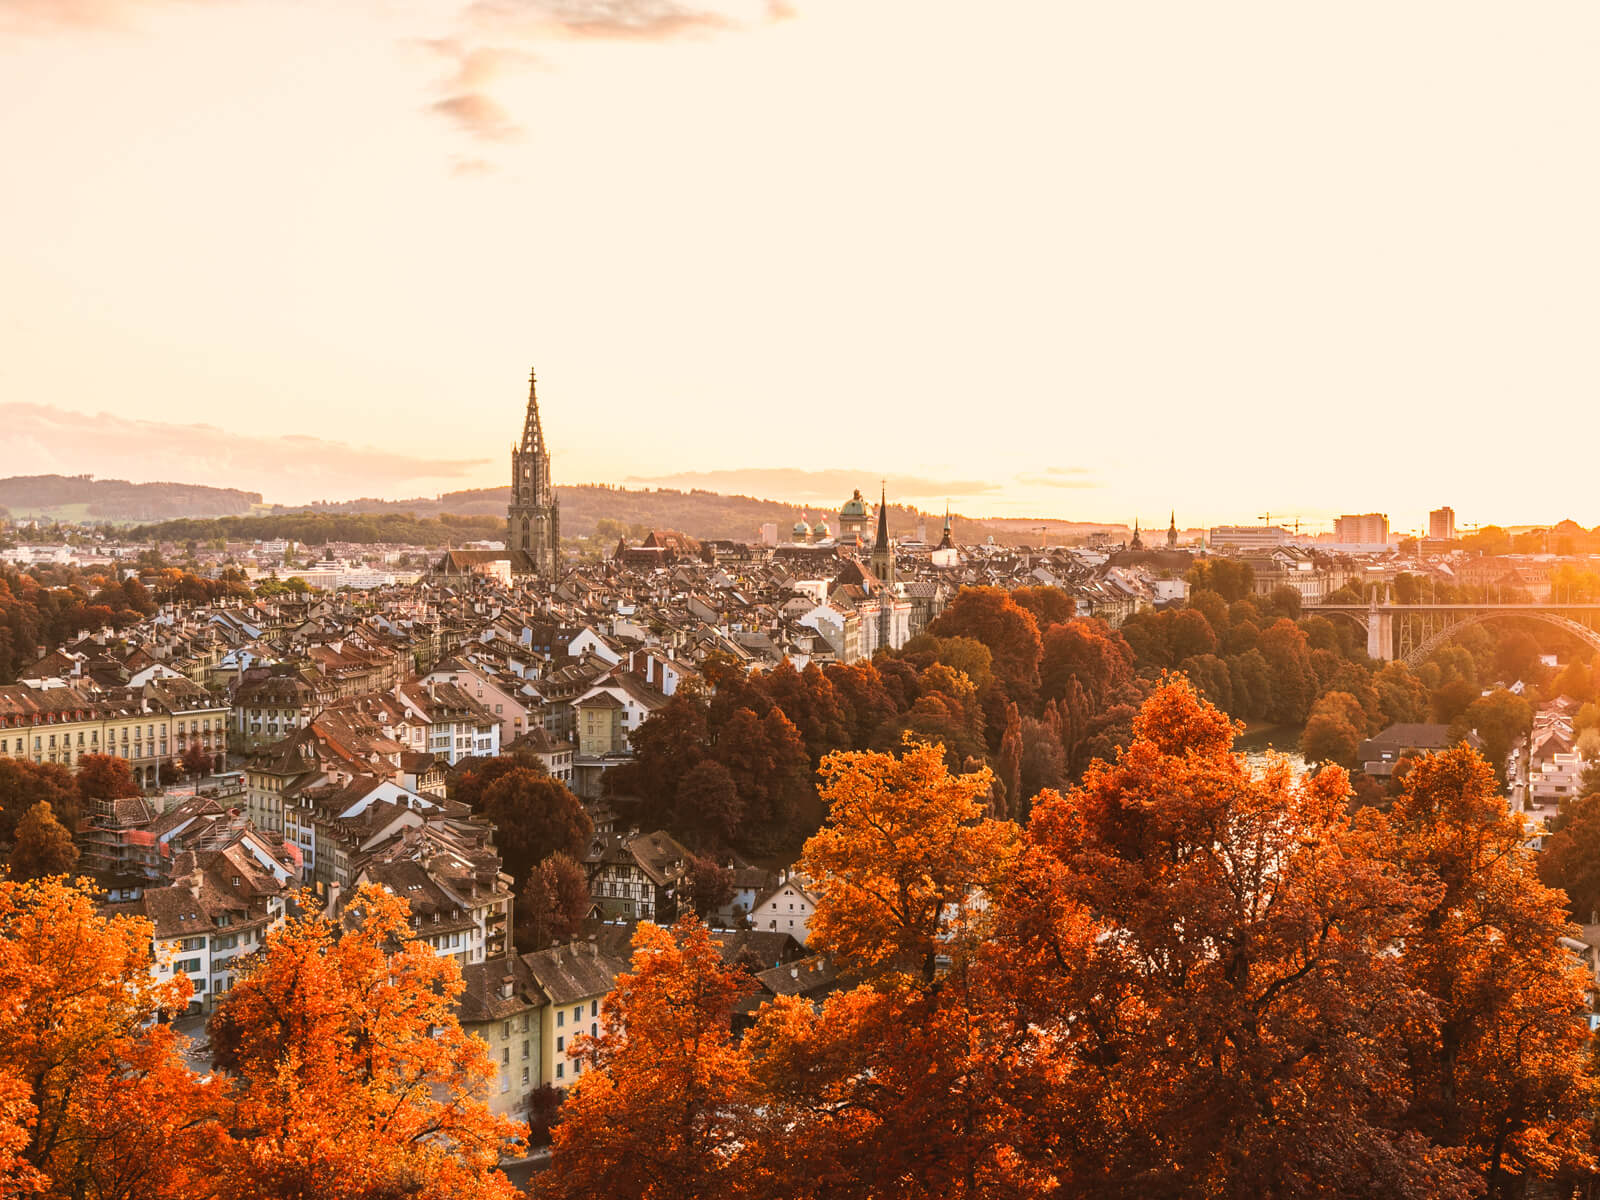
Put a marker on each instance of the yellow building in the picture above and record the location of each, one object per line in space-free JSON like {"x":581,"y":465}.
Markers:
{"x":149,"y":726}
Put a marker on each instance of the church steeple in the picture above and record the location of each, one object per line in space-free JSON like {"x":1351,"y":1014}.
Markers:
{"x":947,"y":542}
{"x":882,"y":555}
{"x":532,"y":519}
{"x":1172,"y":531}
{"x":1138,"y":542}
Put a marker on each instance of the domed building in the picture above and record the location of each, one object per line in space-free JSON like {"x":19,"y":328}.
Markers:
{"x":801,"y":532}
{"x":854,"y":519}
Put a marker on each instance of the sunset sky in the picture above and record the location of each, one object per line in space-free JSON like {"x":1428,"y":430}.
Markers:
{"x":1080,"y":260}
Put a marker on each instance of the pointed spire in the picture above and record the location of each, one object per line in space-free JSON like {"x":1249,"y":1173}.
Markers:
{"x":883,"y":518}
{"x":532,"y":433}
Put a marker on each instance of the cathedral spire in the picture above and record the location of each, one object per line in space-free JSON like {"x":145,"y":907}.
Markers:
{"x":532,"y":432}
{"x":533,"y":529}
{"x":883,"y":521}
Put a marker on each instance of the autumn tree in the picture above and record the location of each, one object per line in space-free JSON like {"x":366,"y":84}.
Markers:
{"x":906,"y":1085}
{"x":535,"y":816}
{"x":24,"y":784}
{"x":105,"y":777}
{"x":470,"y":785}
{"x":1008,"y":769}
{"x":1501,"y":720}
{"x":708,"y":809}
{"x":1049,"y":605}
{"x":708,"y":884}
{"x":864,"y":701}
{"x":1571,"y":857}
{"x":1087,"y":652}
{"x":1232,"y":579}
{"x":350,"y":1071}
{"x":989,"y":615}
{"x":107,"y":1106}
{"x":663,"y":1106}
{"x":1205,"y":954}
{"x":43,"y":846}
{"x":553,"y":903}
{"x":1505,"y":1074}
{"x":905,"y":853}
{"x":196,"y":760}
{"x":1334,"y":730}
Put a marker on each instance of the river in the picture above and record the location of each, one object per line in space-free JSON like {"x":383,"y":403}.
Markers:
{"x":1257,"y":743}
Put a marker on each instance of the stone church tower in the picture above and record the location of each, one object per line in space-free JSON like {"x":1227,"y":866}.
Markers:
{"x":533,"y":520}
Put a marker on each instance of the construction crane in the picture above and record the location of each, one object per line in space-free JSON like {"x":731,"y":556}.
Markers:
{"x":1266,"y":519}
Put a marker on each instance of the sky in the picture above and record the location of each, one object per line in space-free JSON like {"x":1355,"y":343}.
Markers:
{"x":1091,"y":261}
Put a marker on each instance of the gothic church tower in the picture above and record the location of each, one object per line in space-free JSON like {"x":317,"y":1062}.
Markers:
{"x":533,"y":520}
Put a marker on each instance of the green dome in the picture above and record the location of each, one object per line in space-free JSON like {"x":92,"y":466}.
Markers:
{"x":853,"y":507}
{"x":801,"y":530}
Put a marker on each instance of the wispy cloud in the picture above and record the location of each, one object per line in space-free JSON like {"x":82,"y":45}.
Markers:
{"x":634,"y":20}
{"x":49,"y":16}
{"x":480,"y":115}
{"x":45,"y":440}
{"x":465,"y":100}
{"x":830,"y":487}
{"x":497,"y":36}
{"x":1061,"y":477}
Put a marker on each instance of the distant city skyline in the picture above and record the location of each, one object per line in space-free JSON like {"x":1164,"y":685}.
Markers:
{"x":1077,"y":262}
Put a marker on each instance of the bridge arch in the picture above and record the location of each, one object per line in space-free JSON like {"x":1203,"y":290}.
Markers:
{"x":1566,"y":624}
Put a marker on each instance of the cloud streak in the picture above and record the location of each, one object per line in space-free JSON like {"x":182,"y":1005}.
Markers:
{"x":45,"y":440}
{"x":495,"y":33}
{"x":626,"y":20}
{"x":1061,"y":477}
{"x":46,"y":16}
{"x":830,"y":487}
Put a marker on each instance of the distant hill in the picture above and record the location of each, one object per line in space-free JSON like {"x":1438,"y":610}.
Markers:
{"x":702,"y":514}
{"x":82,"y":498}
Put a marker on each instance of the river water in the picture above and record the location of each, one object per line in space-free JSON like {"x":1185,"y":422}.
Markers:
{"x":1257,"y":744}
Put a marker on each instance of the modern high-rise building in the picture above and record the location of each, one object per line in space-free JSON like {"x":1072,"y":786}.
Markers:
{"x":1365,"y":529}
{"x":533,"y":519}
{"x":1442,"y":524}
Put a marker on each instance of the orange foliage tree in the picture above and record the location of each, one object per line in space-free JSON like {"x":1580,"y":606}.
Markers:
{"x":906,"y":853}
{"x":907,"y":1084}
{"x":1505,"y":1074}
{"x":105,"y":777}
{"x":666,"y":1107}
{"x":1232,"y":1027}
{"x":351,"y":1076}
{"x":97,"y":1099}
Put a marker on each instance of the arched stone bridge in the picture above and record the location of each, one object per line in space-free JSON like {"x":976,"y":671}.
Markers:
{"x":1411,"y":632}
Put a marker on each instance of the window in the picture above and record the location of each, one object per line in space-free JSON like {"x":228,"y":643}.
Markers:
{"x":505,"y":1030}
{"x":505,"y":1056}
{"x":561,"y":1045}
{"x":560,"y":1070}
{"x":594,"y":1008}
{"x":524,"y":1047}
{"x":577,"y":1012}
{"x":561,"y":1017}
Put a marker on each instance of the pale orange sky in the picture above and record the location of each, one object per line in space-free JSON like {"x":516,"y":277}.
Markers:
{"x":1090,"y":261}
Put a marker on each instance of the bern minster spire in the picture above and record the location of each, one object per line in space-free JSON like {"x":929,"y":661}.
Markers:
{"x":533,"y":518}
